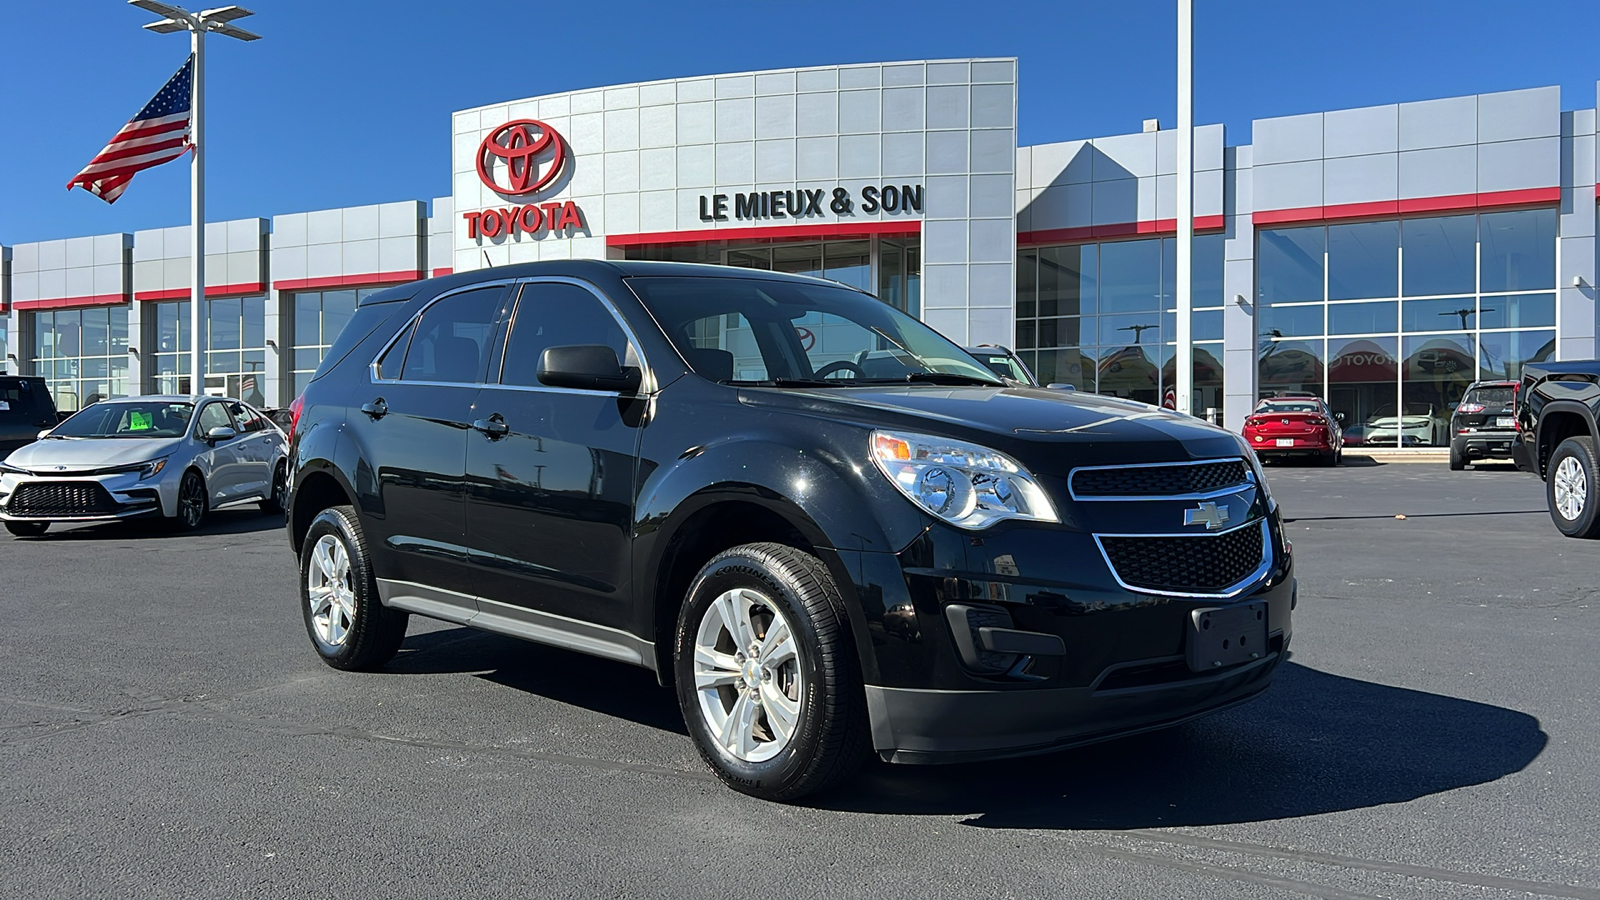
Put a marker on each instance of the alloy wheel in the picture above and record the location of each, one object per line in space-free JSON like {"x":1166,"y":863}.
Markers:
{"x":191,"y":501}
{"x":748,"y":675}
{"x":1571,"y":488}
{"x":330,"y":592}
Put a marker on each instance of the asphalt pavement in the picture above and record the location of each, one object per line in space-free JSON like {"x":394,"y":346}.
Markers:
{"x":166,"y":731}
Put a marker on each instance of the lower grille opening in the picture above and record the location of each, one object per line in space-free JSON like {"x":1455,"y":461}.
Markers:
{"x":1188,"y":563}
{"x":61,"y":498}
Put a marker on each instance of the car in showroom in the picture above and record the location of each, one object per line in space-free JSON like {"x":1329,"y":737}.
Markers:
{"x":1417,"y":425}
{"x":648,"y":462}
{"x":173,"y":458}
{"x":1484,"y":423}
{"x":1295,"y":426}
{"x":26,"y":408}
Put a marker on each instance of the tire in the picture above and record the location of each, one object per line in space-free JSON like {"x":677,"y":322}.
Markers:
{"x":277,"y":501}
{"x":1570,"y":488}
{"x":1458,"y":460}
{"x":1329,"y":459}
{"x":28,"y":529}
{"x":194,"y":502}
{"x":816,"y":684}
{"x":349,"y":626}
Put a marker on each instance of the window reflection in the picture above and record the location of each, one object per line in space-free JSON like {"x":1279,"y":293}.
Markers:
{"x":82,"y":354}
{"x":1363,"y":260}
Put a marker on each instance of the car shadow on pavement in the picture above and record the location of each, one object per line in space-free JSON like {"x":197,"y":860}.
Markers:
{"x":603,"y":686}
{"x":1315,"y":743}
{"x":244,"y":520}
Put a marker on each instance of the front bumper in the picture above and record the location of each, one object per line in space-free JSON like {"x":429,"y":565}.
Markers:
{"x":1112,"y":660}
{"x":68,"y":498}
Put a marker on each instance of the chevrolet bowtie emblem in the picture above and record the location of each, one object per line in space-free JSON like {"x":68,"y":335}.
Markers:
{"x":1208,"y":514}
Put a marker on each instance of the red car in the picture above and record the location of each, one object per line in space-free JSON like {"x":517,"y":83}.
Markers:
{"x":1295,"y":426}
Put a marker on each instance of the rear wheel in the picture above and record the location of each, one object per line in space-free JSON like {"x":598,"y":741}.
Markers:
{"x":27,"y":529}
{"x":1458,"y":459}
{"x":348,"y":624}
{"x":1570,"y":488}
{"x":766,"y":673}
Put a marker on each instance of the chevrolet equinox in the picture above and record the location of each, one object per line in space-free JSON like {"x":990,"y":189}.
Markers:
{"x":831,"y":530}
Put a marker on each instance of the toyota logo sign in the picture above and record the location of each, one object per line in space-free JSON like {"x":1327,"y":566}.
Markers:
{"x":522,"y":147}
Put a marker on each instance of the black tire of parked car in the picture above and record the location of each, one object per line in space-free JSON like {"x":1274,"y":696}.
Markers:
{"x":194,"y":501}
{"x":27,"y":529}
{"x":1586,"y":524}
{"x":377,"y":631}
{"x":831,"y":739}
{"x":1458,"y":458}
{"x":277,"y":501}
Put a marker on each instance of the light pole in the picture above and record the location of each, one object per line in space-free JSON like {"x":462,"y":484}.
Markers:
{"x":1183,"y":284}
{"x":219,"y":20}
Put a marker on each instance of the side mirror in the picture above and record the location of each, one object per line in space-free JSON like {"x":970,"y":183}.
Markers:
{"x":219,"y":434}
{"x":589,"y":367}
{"x":1061,"y":386}
{"x":1339,"y":417}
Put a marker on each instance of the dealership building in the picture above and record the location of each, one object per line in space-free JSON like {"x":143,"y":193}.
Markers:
{"x":1382,"y":257}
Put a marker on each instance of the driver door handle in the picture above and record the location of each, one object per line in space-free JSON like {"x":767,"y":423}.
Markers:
{"x":495,"y":426}
{"x":377,"y":409}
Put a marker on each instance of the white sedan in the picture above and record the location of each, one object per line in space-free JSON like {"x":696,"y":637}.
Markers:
{"x":172,"y":457}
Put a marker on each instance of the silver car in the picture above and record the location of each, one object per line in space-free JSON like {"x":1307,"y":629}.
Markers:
{"x":162,"y":456}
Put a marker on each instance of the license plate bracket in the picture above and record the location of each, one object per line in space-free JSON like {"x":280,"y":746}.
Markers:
{"x":1226,"y":636}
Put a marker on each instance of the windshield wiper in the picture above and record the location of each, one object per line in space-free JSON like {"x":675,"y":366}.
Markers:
{"x":792,"y":382}
{"x":949,"y":378}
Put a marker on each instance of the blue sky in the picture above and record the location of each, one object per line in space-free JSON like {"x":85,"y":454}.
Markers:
{"x":345,"y":103}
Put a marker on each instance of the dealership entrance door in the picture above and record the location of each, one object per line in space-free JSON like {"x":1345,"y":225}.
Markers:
{"x":888,"y":267}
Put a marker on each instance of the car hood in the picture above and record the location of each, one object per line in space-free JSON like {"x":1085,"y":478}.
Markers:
{"x":1029,"y":423}
{"x":80,"y":454}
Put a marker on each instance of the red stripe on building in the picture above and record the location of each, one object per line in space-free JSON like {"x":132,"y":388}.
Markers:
{"x":71,"y":302}
{"x":372,"y":279}
{"x":769,"y":232}
{"x":438,"y":273}
{"x":1383,"y":209}
{"x":212,"y":290}
{"x":1084,"y":233}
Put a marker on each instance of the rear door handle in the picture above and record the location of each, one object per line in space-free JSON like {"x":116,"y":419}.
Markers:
{"x":494,"y":426}
{"x":377,"y":409}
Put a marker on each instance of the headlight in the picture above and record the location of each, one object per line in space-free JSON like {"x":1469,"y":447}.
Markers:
{"x":15,"y":470}
{"x":964,"y":484}
{"x":146,"y":470}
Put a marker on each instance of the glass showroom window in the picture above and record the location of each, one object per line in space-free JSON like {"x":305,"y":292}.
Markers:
{"x":82,"y":354}
{"x":1101,"y":317}
{"x":1391,"y":320}
{"x":236,"y":351}
{"x":319,"y":316}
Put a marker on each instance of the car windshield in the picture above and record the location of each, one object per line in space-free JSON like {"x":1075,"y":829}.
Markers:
{"x":1001,"y":364}
{"x":786,"y":333}
{"x":1287,"y":406}
{"x":128,"y":419}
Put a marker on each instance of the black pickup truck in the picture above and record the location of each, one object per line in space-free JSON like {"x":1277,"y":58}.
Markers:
{"x":26,"y":408}
{"x":1556,"y":409}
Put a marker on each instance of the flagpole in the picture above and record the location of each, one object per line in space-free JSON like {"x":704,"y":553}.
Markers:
{"x":197,"y":218}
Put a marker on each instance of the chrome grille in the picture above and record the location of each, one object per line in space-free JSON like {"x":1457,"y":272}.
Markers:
{"x":1160,"y":480}
{"x":1197,"y":564}
{"x":61,"y":498}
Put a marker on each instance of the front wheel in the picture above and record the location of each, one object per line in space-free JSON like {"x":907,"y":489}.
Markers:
{"x":348,"y":624}
{"x":1570,"y":488}
{"x":766,"y":673}
{"x":27,"y":529}
{"x":193,"y":502}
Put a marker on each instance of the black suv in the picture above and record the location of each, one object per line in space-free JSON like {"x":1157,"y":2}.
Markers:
{"x":831,"y":529}
{"x":26,"y":409}
{"x":1483,"y":424}
{"x":1556,"y":407}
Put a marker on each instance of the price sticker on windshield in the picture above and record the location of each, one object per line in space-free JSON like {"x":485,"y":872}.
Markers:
{"x":140,"y":421}
{"x":5,"y":406}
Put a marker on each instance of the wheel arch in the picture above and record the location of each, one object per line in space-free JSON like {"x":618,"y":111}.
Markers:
{"x":315,"y":491}
{"x":1558,"y":421}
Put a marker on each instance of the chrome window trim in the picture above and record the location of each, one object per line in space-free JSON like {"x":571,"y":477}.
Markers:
{"x":1249,"y":480}
{"x":647,"y":384}
{"x":1226,"y":593}
{"x":405,"y":330}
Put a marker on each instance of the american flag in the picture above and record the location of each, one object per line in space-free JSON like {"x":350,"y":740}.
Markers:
{"x":158,"y":134}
